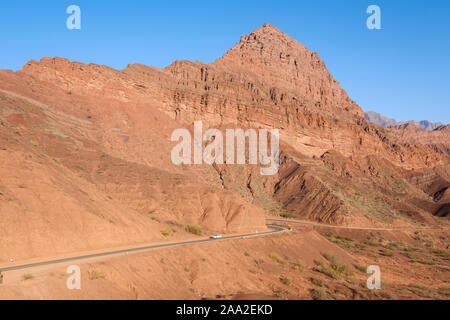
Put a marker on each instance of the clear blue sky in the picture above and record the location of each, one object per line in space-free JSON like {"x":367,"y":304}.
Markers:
{"x":401,"y":71}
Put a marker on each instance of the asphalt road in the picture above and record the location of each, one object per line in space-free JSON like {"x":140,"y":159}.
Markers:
{"x":275,"y":230}
{"x":315,"y":224}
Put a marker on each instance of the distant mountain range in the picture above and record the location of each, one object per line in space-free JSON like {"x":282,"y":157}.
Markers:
{"x":386,"y":122}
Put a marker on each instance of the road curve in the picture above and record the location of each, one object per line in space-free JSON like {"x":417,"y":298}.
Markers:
{"x":275,"y":230}
{"x":315,"y":224}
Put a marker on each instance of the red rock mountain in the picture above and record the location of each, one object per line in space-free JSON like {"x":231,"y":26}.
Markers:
{"x":386,"y":122}
{"x":85,"y":151}
{"x":437,"y":139}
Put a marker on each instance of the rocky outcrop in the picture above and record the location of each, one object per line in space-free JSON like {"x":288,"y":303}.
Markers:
{"x":109,"y":132}
{"x":386,"y":122}
{"x":437,"y":139}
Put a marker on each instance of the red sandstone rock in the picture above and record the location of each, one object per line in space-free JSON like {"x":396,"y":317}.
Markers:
{"x":86,"y":150}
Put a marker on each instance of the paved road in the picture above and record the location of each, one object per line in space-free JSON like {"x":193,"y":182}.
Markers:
{"x":315,"y":224}
{"x":275,"y":230}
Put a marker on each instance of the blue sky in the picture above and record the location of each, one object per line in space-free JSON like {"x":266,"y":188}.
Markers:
{"x":401,"y":71}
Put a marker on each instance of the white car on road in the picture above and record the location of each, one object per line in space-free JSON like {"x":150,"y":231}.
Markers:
{"x":217,"y":236}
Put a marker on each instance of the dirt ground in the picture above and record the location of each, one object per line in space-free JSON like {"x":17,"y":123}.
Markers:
{"x":307,"y":263}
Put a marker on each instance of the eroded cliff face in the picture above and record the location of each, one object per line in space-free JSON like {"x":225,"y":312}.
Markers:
{"x":286,"y":65}
{"x":110,"y":130}
{"x":438,"y":139}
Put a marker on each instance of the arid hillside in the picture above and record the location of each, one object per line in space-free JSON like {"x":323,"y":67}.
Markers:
{"x":86,"y":152}
{"x":438,"y":139}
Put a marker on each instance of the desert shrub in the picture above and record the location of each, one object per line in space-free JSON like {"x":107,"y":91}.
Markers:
{"x":408,"y":255}
{"x":280,"y":293}
{"x":173,"y":223}
{"x":297,"y":265}
{"x":392,"y":246}
{"x":342,"y":269}
{"x":275,"y":258}
{"x":370,"y":243}
{"x":27,"y":276}
{"x":285,"y":280}
{"x":444,"y":291}
{"x":442,"y":254}
{"x":328,"y":271}
{"x":318,"y":263}
{"x":386,"y":296}
{"x":410,"y":249}
{"x":420,"y":290}
{"x":318,"y":282}
{"x":328,"y":235}
{"x":319,"y":294}
{"x":346,"y":239}
{"x":336,"y":270}
{"x":167,"y":232}
{"x":429,"y":263}
{"x":417,"y":286}
{"x":330,"y":257}
{"x":197,"y":230}
{"x":386,"y":253}
{"x":337,"y":294}
{"x":259,"y":262}
{"x":95,"y":275}
{"x":286,"y":215}
{"x":360,"y":268}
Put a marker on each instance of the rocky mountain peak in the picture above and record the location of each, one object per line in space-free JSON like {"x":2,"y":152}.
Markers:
{"x":268,"y":53}
{"x":269,"y":45}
